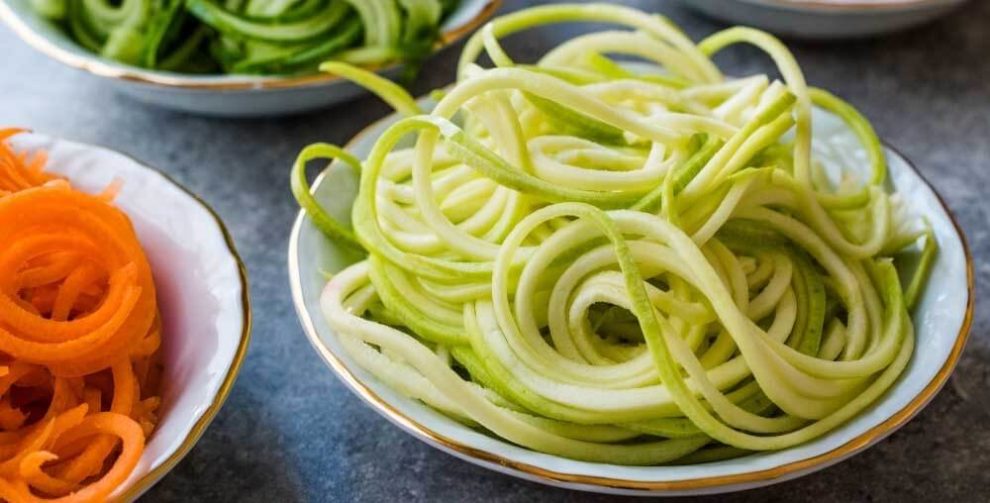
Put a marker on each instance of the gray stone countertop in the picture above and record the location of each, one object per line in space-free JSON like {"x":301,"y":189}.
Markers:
{"x":290,"y":431}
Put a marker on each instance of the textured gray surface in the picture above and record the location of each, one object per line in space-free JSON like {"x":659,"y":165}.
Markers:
{"x":291,"y":432}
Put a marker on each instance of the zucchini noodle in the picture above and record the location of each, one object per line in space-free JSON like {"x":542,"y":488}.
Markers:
{"x":624,"y":263}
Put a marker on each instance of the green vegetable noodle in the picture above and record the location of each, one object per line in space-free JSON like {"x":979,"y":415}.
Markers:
{"x":630,"y":262}
{"x":251,"y":36}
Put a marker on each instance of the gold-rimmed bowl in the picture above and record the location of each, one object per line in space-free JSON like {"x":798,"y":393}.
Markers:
{"x":218,"y":95}
{"x":826,"y":19}
{"x":202,"y":293}
{"x":942,"y":321}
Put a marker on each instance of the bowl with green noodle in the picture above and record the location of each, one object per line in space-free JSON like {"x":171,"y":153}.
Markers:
{"x":636,"y":279}
{"x":240,"y":58}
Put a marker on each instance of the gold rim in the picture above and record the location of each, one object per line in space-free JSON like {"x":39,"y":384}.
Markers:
{"x":762,"y":477}
{"x":96,"y":66}
{"x":149,"y":479}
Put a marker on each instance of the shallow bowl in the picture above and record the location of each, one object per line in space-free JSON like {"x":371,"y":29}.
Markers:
{"x":217,"y":95}
{"x":826,"y":19}
{"x":942,"y":320}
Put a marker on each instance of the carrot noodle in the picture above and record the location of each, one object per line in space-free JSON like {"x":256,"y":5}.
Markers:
{"x":20,"y":171}
{"x":80,"y":332}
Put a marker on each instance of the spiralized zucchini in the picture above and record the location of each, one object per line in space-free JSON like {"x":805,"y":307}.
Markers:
{"x":251,"y":36}
{"x":624,"y":264}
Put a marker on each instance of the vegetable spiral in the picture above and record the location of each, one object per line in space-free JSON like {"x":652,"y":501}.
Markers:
{"x":57,"y":233}
{"x":623,"y":263}
{"x":250,"y":36}
{"x":79,"y":338}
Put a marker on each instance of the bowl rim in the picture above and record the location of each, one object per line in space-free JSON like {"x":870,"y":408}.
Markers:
{"x":708,"y":484}
{"x":832,"y":6}
{"x":95,"y":65}
{"x":146,"y":481}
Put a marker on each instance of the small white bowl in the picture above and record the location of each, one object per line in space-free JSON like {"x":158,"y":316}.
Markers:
{"x":217,"y":95}
{"x":202,"y":293}
{"x":826,"y":19}
{"x":942,"y":321}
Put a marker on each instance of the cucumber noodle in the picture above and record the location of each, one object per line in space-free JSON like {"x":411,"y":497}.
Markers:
{"x":630,"y":267}
{"x":251,"y":36}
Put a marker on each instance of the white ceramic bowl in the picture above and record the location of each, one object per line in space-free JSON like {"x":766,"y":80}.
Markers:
{"x":216,"y":95}
{"x":202,"y":293}
{"x":826,"y":19}
{"x":942,"y":322}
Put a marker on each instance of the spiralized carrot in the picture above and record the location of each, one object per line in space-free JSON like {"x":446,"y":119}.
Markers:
{"x":80,"y":334}
{"x":18,"y":171}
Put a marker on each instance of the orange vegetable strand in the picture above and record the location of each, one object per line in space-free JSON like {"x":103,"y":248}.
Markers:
{"x":80,"y":336}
